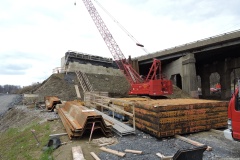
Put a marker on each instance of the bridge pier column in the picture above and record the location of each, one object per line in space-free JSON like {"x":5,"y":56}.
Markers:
{"x":225,"y":80}
{"x":205,"y":83}
{"x":189,"y":77}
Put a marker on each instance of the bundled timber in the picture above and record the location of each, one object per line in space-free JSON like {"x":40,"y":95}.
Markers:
{"x":169,"y":117}
{"x":77,"y":119}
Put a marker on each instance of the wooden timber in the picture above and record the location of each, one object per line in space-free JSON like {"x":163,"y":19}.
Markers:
{"x":133,"y":151}
{"x":120,"y":154}
{"x":192,"y":142}
{"x":162,"y":157}
{"x":77,"y":153}
{"x":95,"y":156}
{"x":169,"y":117}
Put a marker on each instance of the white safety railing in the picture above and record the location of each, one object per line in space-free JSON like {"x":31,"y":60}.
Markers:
{"x":59,"y":70}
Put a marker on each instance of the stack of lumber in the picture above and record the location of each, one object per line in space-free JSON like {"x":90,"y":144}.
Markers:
{"x":169,"y":117}
{"x":77,"y":119}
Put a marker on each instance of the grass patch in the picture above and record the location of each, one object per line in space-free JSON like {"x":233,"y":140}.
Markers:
{"x":47,"y":154}
{"x":19,"y":143}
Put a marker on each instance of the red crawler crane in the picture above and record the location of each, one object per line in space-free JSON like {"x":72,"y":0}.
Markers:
{"x":153,"y":85}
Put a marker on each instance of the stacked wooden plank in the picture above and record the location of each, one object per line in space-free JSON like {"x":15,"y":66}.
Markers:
{"x":77,"y":119}
{"x":168,"y":117}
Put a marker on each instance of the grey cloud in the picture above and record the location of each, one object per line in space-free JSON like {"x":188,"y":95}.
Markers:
{"x":11,"y":72}
{"x":192,"y":10}
{"x":8,"y":67}
{"x":17,"y":66}
{"x":26,"y":15}
{"x":14,"y":69}
{"x":6,"y":56}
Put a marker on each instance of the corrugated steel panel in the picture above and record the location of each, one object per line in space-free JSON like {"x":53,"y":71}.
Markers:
{"x":77,"y":119}
{"x":51,"y":101}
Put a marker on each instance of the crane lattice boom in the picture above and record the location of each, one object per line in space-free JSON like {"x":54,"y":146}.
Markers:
{"x":105,"y":33}
{"x":152,"y":85}
{"x":112,"y":45}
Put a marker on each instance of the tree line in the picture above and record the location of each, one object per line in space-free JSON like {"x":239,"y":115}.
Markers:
{"x":9,"y":89}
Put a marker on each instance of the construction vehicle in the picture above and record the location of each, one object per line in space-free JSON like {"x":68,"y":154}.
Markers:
{"x":153,"y":85}
{"x":233,"y":131}
{"x":216,"y":89}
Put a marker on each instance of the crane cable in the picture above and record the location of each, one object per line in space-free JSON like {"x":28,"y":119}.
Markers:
{"x":124,"y":29}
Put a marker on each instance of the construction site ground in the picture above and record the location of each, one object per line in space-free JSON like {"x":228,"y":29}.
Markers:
{"x":21,"y":116}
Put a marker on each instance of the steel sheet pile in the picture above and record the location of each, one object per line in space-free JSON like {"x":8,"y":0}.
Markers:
{"x":168,"y":117}
{"x":77,"y":119}
{"x":51,"y":102}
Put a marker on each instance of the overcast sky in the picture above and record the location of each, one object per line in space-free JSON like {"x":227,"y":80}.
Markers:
{"x":35,"y":34}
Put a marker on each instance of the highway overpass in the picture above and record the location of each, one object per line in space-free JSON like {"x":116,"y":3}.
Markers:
{"x":191,"y":65}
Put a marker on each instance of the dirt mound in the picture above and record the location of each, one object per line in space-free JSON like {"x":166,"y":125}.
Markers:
{"x":178,"y":93}
{"x":62,"y":85}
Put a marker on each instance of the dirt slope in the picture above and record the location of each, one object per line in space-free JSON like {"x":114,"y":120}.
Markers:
{"x":62,"y":85}
{"x":116,"y":86}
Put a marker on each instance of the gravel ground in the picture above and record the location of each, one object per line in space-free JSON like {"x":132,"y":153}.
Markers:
{"x":20,"y":115}
{"x":8,"y":101}
{"x":222,"y":148}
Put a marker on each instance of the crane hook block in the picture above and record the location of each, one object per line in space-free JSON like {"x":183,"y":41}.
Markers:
{"x":140,"y":45}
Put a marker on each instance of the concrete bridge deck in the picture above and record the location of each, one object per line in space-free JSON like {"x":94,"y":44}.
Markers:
{"x":182,"y":64}
{"x":222,"y":40}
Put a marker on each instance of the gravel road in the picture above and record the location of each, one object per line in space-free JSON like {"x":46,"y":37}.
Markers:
{"x":7,"y":101}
